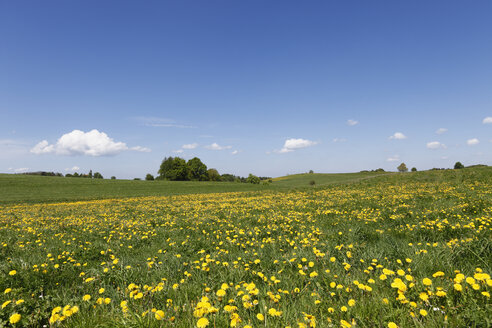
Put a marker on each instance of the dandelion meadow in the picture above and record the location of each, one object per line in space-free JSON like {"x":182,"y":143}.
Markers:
{"x":409,"y":250}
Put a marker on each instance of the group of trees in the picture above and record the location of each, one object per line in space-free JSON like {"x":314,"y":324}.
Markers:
{"x":178,"y":169}
{"x":403,"y":167}
{"x":89,"y":175}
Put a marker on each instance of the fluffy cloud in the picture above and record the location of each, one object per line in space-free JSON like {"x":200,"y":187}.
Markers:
{"x":394,"y":158}
{"x":487,"y":120}
{"x":352,"y":122}
{"x":92,"y":143}
{"x":190,"y":146}
{"x":141,"y":149}
{"x":472,"y":142}
{"x":216,"y":146}
{"x":435,"y":145}
{"x":441,"y":130}
{"x":398,"y":136}
{"x":234,"y":152}
{"x":179,"y":151}
{"x":21,"y":170}
{"x":74,"y":168}
{"x":294,"y":144}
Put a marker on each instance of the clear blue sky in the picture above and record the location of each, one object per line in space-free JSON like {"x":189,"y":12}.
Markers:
{"x":267,"y":87}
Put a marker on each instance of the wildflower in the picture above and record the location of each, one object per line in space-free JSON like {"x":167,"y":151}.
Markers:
{"x":260,"y":317}
{"x":86,"y":297}
{"x":202,"y":323}
{"x":14,"y":318}
{"x":159,"y":315}
{"x":427,"y":281}
{"x":13,"y":273}
{"x":392,"y":325}
{"x":423,"y":312}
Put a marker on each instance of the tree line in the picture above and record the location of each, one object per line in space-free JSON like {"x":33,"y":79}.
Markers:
{"x":178,"y":169}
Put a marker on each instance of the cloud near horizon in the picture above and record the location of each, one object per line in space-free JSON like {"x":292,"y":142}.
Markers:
{"x":441,"y":130}
{"x":472,"y":142}
{"x":216,"y":146}
{"x":92,"y":143}
{"x":352,"y":122}
{"x":398,"y":136}
{"x":487,"y":120}
{"x":435,"y":145}
{"x":294,"y":144}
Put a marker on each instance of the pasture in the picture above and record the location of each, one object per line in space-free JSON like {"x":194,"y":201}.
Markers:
{"x":399,"y":250}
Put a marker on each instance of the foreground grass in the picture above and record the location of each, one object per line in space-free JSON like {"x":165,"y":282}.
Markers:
{"x":35,"y":189}
{"x":413,"y":250}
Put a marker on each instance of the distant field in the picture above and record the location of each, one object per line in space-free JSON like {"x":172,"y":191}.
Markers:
{"x":32,"y":189}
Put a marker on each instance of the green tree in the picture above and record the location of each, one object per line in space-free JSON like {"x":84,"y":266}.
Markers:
{"x":253,"y":179}
{"x":213,"y":175}
{"x":458,"y":166}
{"x":149,"y":177}
{"x":402,"y":167}
{"x":90,"y":174}
{"x":113,"y":178}
{"x":198,"y":170}
{"x":414,"y":169}
{"x":97,"y":175}
{"x":174,"y":169}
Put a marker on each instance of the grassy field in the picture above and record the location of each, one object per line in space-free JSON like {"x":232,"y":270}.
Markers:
{"x":401,"y":250}
{"x":32,"y":189}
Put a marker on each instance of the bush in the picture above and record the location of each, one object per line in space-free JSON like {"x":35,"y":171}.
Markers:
{"x":149,"y":177}
{"x":312,"y":183}
{"x":458,"y":166}
{"x":414,"y":169}
{"x":113,"y":178}
{"x":252,"y":179}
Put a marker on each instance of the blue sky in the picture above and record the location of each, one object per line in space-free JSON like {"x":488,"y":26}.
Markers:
{"x":267,"y":87}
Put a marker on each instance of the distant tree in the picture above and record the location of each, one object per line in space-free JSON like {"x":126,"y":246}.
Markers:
{"x":75,"y":174}
{"x":213,"y":175}
{"x":312,"y":183}
{"x":68,"y":175}
{"x":90,"y":174}
{"x":228,"y":177}
{"x":137,"y":179}
{"x":113,"y":178}
{"x":311,"y":171}
{"x":198,"y":170}
{"x":174,"y":169}
{"x":149,"y":177}
{"x":379,"y":170}
{"x":414,"y":169}
{"x":253,"y":179}
{"x":402,"y":167}
{"x":98,"y":175}
{"x":458,"y":166}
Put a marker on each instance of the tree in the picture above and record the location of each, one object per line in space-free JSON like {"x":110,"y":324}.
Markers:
{"x":174,"y":169}
{"x":458,"y":166}
{"x":213,"y":175}
{"x":198,"y":170}
{"x":402,"y":167}
{"x":98,"y":175}
{"x":227,"y":177}
{"x":113,"y":178}
{"x":90,"y":174}
{"x":414,"y":169}
{"x":252,"y":179}
{"x":149,"y":177}
{"x":311,"y":171}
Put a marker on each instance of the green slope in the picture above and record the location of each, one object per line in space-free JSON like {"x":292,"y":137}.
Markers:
{"x":322,"y":179}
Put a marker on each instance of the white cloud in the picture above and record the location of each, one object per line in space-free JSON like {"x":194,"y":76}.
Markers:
{"x":74,"y":168}
{"x":472,"y":142}
{"x":395,"y":158}
{"x":487,"y":120}
{"x":435,"y":145}
{"x":398,"y":136}
{"x":92,"y":143}
{"x":141,"y":149}
{"x":294,"y":144}
{"x":190,"y":146}
{"x":352,"y":122}
{"x":216,"y":146}
{"x":441,"y":130}
{"x":234,"y":152}
{"x":21,"y":170}
{"x":179,"y":151}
